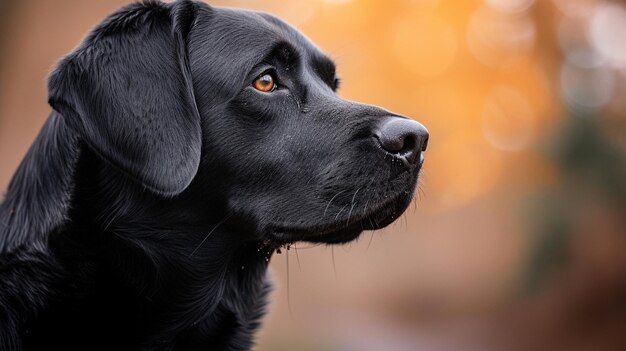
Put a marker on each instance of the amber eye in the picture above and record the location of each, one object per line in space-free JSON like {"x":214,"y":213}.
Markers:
{"x":264,"y":83}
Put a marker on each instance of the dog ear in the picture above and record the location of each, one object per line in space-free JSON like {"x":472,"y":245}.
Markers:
{"x":127,"y":92}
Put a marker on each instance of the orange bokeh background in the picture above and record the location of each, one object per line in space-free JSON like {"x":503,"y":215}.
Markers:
{"x":495,"y":82}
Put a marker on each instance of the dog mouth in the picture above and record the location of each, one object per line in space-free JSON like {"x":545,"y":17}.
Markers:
{"x":339,"y":232}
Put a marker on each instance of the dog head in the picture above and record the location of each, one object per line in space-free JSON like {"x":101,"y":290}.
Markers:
{"x":239,"y":109}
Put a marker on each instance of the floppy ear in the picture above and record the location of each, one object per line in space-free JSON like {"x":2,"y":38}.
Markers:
{"x":126,"y":91}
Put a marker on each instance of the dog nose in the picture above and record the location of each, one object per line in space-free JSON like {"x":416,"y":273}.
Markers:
{"x":403,"y":137}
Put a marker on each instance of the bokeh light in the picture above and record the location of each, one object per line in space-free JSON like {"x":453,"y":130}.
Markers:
{"x":500,"y":39}
{"x":508,"y":120}
{"x":510,"y":6}
{"x":606,"y":33}
{"x":576,"y":8}
{"x":424,"y":44}
{"x":586,"y":89}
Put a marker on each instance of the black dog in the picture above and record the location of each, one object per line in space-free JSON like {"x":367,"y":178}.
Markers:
{"x":186,"y":145}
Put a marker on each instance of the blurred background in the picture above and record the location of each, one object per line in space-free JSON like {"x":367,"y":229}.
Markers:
{"x":517,"y":239}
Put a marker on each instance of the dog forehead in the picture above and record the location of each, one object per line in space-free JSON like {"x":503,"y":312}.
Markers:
{"x":244,"y":36}
{"x":225,"y":44}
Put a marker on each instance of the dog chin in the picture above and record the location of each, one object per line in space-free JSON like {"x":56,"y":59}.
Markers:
{"x":341,"y":234}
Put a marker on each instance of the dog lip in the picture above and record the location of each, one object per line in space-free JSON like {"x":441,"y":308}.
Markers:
{"x":340,"y":235}
{"x":291,"y":234}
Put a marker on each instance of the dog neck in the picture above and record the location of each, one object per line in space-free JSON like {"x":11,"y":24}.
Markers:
{"x":179,"y":257}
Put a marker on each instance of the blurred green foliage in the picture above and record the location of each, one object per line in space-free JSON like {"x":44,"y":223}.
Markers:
{"x":592,"y":172}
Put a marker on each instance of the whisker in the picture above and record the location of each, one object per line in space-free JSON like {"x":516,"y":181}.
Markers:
{"x":288,"y":283}
{"x":311,"y":246}
{"x":332,"y":250}
{"x":370,"y":242}
{"x":369,"y":219}
{"x":376,"y":222}
{"x":422,"y":191}
{"x":366,"y":204}
{"x":331,"y":200}
{"x":406,"y":222}
{"x":297,"y":257}
{"x":352,"y":207}
{"x":338,"y":213}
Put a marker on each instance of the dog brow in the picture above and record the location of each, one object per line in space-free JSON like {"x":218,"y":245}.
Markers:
{"x":285,"y":53}
{"x":325,"y":68}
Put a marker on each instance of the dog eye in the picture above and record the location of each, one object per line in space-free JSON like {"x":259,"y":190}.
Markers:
{"x":264,"y":83}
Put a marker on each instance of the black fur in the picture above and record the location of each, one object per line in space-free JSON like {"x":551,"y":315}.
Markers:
{"x":145,"y":213}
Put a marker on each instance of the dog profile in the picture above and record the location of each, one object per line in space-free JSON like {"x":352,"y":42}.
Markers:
{"x":186,"y":144}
